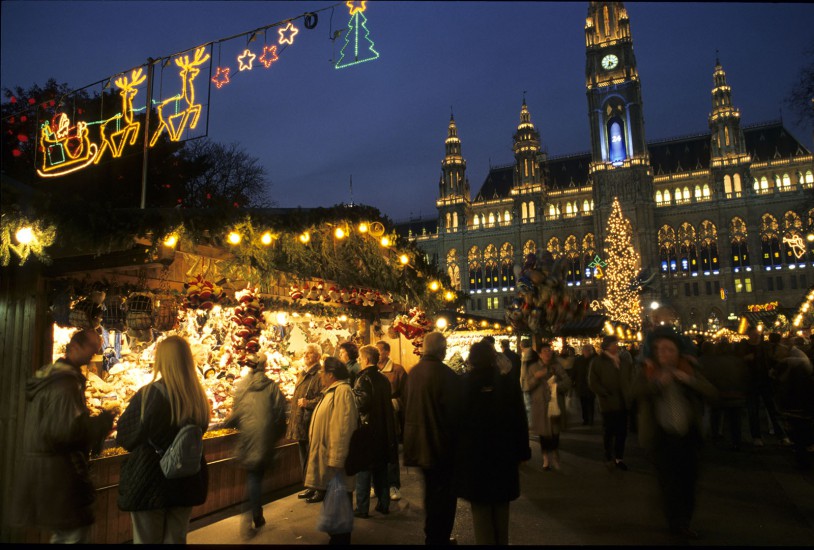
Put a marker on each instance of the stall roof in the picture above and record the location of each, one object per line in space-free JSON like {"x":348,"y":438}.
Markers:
{"x":767,"y":317}
{"x":590,"y":325}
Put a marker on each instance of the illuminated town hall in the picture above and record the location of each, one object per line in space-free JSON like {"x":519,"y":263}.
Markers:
{"x":721,"y":218}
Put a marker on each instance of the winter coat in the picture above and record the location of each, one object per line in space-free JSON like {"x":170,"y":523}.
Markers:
{"x":431,"y":413}
{"x":397,"y":377}
{"x":372,"y":392}
{"x":611,"y":384}
{"x":515,"y":372}
{"x":540,"y":391}
{"x":335,"y":419}
{"x":729,"y":375}
{"x":259,"y":414}
{"x":309,"y":387}
{"x":582,"y":365}
{"x":142,"y":485}
{"x":650,"y":395}
{"x":53,"y":489}
{"x":493,"y":438}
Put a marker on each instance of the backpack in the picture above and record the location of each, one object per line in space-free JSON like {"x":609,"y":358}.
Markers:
{"x":183,"y":457}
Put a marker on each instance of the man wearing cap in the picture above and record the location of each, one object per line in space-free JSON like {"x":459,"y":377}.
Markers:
{"x":610,"y":377}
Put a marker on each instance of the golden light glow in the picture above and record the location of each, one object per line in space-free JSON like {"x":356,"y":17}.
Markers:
{"x":343,"y":318}
{"x":282,"y":318}
{"x":305,"y":237}
{"x":287,"y":34}
{"x":339,"y":233}
{"x":810,"y":237}
{"x":449,"y":295}
{"x":484,"y":324}
{"x":441,"y":323}
{"x":25,"y":235}
{"x":434,"y":286}
{"x":404,"y":259}
{"x":622,"y":303}
{"x":363,"y":227}
{"x":171,"y":240}
{"x":246,"y":60}
{"x":176,"y":120}
{"x":266,"y":238}
{"x":234,"y":237}
{"x":385,"y":242}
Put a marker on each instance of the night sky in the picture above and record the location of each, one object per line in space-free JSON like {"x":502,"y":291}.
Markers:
{"x":384,"y":122}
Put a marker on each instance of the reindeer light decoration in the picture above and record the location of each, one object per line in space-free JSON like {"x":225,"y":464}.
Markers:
{"x":176,"y":123}
{"x":114,"y":137}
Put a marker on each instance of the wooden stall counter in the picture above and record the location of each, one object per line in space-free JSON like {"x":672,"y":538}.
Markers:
{"x":227,"y":486}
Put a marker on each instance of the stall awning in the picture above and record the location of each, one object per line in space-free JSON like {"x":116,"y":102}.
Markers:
{"x":767,"y":318}
{"x":590,"y":325}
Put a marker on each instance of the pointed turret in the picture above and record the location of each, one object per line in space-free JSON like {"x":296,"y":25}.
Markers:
{"x":526,"y":150}
{"x":453,"y":167}
{"x":724,"y":121}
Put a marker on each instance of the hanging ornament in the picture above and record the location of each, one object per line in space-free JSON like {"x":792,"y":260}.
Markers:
{"x":357,"y":33}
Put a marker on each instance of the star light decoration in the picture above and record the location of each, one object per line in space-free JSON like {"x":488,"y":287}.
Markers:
{"x":288,"y":33}
{"x":355,"y":6}
{"x":269,"y":56}
{"x":246,"y":60}
{"x":221,"y":77}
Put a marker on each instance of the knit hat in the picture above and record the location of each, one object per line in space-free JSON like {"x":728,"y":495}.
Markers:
{"x":608,"y":341}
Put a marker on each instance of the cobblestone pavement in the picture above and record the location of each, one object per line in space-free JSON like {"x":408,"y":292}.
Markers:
{"x":755,"y":497}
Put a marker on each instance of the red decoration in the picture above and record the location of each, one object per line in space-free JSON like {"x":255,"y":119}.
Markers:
{"x":22,"y":137}
{"x":16,"y":152}
{"x":31,"y":101}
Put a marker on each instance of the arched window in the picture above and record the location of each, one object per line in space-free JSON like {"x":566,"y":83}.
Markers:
{"x":658,"y":197}
{"x":786,"y":181}
{"x":756,"y":185}
{"x":491,"y":219}
{"x":455,"y":220}
{"x":483,"y":220}
{"x":449,"y":221}
{"x":616,"y":135}
{"x":491,"y":276}
{"x":688,"y":253}
{"x":687,"y":194}
{"x":568,"y":210}
{"x":764,"y":183}
{"x":507,"y":217}
{"x":475,"y":269}
{"x":769,"y":242}
{"x":777,"y":183}
{"x":667,"y":197}
{"x":552,"y":212}
{"x":737,"y":238}
{"x":453,"y":270}
{"x":705,"y":191}
{"x":573,"y":272}
{"x":809,"y":177}
{"x":588,"y":254}
{"x":529,"y":248}
{"x":507,"y":266}
{"x":726,"y":134}
{"x":737,"y":180}
{"x":794,"y":248}
{"x":475,"y":221}
{"x":697,"y":192}
{"x":708,"y":238}
{"x":586,"y":206}
{"x":524,"y":212}
{"x":727,"y":185}
{"x":532,"y":212}
{"x":667,"y":250}
{"x":553,"y":246}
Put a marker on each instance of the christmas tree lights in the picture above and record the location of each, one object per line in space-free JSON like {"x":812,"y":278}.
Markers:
{"x":357,"y":24}
{"x":621,"y":302}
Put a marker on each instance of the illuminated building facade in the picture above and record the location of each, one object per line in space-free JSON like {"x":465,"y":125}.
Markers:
{"x":721,"y":217}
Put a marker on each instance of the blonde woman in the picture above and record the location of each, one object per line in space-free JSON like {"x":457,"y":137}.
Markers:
{"x":160,"y":508}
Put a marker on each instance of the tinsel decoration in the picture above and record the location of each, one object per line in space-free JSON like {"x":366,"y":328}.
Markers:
{"x":247,"y":322}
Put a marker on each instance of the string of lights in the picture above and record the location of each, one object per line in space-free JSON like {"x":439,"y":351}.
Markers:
{"x":621,"y":302}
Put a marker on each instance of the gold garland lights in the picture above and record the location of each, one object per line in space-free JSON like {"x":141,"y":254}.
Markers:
{"x":24,"y":238}
{"x":621,"y":303}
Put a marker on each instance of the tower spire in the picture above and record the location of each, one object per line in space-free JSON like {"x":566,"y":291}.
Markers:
{"x":526,"y":149}
{"x":724,"y":121}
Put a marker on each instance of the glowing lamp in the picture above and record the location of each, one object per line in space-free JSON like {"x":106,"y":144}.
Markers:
{"x":282,"y":318}
{"x":608,"y":328}
{"x":385,"y":242}
{"x":343,"y":318}
{"x":266,"y":238}
{"x":810,"y":237}
{"x":171,"y":241}
{"x":234,"y":237}
{"x":654,"y":305}
{"x":404,"y":259}
{"x":449,"y":296}
{"x":305,"y":237}
{"x":25,"y":235}
{"x":363,"y":227}
{"x":484,"y":324}
{"x":339,"y":233}
{"x":441,"y":323}
{"x":434,"y":286}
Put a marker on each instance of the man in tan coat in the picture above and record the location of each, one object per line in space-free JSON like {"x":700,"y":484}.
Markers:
{"x":307,"y":393}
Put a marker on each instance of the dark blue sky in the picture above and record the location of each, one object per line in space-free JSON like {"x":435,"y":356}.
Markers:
{"x":385,"y":121}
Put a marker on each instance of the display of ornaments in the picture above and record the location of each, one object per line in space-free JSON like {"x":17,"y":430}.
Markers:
{"x":413,"y":326}
{"x":202,"y":294}
{"x":320,"y":292}
{"x":247,"y":321}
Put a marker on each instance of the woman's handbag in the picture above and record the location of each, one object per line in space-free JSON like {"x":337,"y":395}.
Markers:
{"x":337,"y":511}
{"x":360,"y":451}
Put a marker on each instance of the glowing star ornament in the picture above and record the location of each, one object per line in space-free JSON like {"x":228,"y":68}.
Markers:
{"x":246,"y":60}
{"x":221,"y":77}
{"x":288,"y":33}
{"x":357,"y":28}
{"x":269,"y":56}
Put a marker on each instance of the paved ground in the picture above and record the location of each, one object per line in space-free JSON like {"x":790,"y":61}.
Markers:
{"x":756,"y":497}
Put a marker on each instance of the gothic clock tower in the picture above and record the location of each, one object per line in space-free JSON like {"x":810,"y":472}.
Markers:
{"x":620,"y":163}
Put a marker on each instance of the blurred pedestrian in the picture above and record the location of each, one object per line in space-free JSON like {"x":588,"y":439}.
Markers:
{"x":754,"y":352}
{"x":372,"y":392}
{"x":514,"y":358}
{"x":259,"y":415}
{"x":432,"y":411}
{"x":610,"y":377}
{"x":670,"y":391}
{"x":587,"y":398}
{"x":53,"y":489}
{"x":728,"y":373}
{"x":544,"y":378}
{"x":397,"y":377}
{"x":307,"y":393}
{"x":335,"y":419}
{"x":159,"y":507}
{"x":493,"y":441}
{"x":527,"y":357}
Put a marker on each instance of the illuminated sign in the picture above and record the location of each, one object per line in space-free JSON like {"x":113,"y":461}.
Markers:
{"x":771,"y":306}
{"x":176,"y":120}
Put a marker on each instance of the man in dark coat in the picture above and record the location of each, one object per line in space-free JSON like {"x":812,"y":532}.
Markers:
{"x":259,"y":414}
{"x":372,"y":393}
{"x":755,"y":353}
{"x":54,"y":490}
{"x":307,"y":393}
{"x":587,"y":398}
{"x":432,"y":411}
{"x":514,"y":358}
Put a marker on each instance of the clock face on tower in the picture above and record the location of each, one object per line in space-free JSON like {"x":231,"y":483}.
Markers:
{"x":609,"y":62}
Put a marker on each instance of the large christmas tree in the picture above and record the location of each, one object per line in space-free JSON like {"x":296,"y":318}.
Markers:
{"x":622,"y":297}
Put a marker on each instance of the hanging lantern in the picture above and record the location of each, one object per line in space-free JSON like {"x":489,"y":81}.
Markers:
{"x":139,"y":311}
{"x":166,"y":312}
{"x":113,"y":316}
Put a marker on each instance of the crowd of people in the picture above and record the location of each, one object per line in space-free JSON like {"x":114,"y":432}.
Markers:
{"x":468,"y":434}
